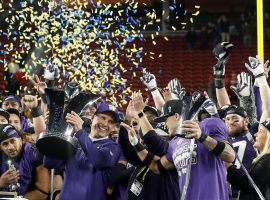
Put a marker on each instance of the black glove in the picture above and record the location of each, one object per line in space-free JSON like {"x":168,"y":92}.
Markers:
{"x":219,"y":74}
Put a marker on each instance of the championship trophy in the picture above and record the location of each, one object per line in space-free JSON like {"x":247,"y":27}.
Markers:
{"x":192,"y":105}
{"x":58,"y":141}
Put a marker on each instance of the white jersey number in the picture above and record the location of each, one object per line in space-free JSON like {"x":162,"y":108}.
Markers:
{"x":241,"y":147}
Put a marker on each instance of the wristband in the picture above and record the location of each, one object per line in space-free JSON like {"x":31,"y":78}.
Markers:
{"x":219,"y":83}
{"x":140,"y":114}
{"x":155,"y":92}
{"x":218,"y":148}
{"x":139,"y":147}
{"x":148,"y":159}
{"x":43,"y":98}
{"x":36,"y":112}
{"x":202,"y":137}
{"x":153,"y":89}
{"x":259,"y":75}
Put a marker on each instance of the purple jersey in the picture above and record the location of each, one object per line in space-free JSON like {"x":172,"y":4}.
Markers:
{"x":243,"y":146}
{"x":206,"y":167}
{"x":244,"y":149}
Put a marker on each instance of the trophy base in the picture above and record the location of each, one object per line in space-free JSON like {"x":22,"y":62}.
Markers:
{"x":56,"y":145}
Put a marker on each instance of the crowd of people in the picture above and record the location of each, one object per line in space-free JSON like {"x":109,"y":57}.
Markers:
{"x":185,"y":147}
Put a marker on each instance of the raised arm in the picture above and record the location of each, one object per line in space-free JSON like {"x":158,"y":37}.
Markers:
{"x":149,"y":80}
{"x":255,"y":66}
{"x":155,"y":163}
{"x":221,"y":92}
{"x":245,"y":94}
{"x":38,"y":119}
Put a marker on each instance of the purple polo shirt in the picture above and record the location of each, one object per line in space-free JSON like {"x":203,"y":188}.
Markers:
{"x":208,"y":174}
{"x":89,"y":172}
{"x":30,"y":158}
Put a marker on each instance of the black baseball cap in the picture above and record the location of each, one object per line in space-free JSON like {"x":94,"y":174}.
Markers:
{"x":8,"y":131}
{"x":170,"y":108}
{"x":4,"y":113}
{"x":152,"y":110}
{"x":14,"y":111}
{"x":234,"y":109}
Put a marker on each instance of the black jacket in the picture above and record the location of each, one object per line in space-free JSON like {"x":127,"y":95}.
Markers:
{"x":260,"y":173}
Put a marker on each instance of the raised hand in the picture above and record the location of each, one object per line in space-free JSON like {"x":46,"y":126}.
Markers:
{"x":137,"y":102}
{"x":75,"y":120}
{"x":244,"y":85}
{"x":167,"y":95}
{"x":255,"y":66}
{"x":149,"y":80}
{"x":10,"y":176}
{"x":30,"y":101}
{"x":39,"y":85}
{"x":175,"y":88}
{"x":266,"y":68}
{"x":219,"y":70}
{"x":51,"y":72}
{"x":132,"y":136}
{"x":210,"y":106}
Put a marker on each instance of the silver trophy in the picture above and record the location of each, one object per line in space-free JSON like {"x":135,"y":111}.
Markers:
{"x":192,"y":105}
{"x":14,"y":187}
{"x":58,"y":141}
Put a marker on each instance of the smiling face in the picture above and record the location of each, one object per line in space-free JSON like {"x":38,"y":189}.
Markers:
{"x":102,"y":125}
{"x":261,"y":137}
{"x":236,"y":124}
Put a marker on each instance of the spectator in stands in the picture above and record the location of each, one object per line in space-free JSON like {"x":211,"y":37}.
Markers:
{"x":191,"y":38}
{"x":213,"y":33}
{"x":203,"y":36}
{"x":267,"y":25}
{"x":247,"y":34}
{"x":224,"y":26}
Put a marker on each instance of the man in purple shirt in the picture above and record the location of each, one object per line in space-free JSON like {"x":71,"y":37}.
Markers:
{"x":202,"y":161}
{"x":88,"y":174}
{"x":18,"y":161}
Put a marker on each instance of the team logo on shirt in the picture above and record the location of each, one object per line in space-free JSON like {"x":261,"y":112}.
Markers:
{"x":181,"y":157}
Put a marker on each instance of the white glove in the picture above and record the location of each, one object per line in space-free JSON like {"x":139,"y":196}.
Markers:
{"x":210,"y":107}
{"x":149,"y":80}
{"x":51,"y":72}
{"x":255,"y":66}
{"x":176,"y":89}
{"x":244,"y":85}
{"x":133,"y":140}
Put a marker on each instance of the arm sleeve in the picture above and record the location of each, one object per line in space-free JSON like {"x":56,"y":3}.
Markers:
{"x":121,"y":174}
{"x":259,"y":172}
{"x":155,"y":143}
{"x":258,"y":102}
{"x":238,"y":179}
{"x":127,"y":149}
{"x":248,"y":103}
{"x":106,"y":156}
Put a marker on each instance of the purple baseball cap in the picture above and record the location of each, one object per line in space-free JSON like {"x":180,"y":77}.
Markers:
{"x":13,"y":98}
{"x":108,"y":108}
